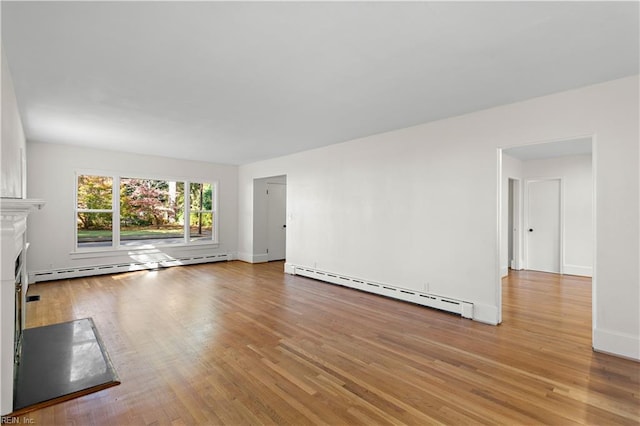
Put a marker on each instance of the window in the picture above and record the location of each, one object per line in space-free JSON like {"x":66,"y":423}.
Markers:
{"x":201,"y":215}
{"x":94,"y":211}
{"x":122,"y":211}
{"x":151,"y":210}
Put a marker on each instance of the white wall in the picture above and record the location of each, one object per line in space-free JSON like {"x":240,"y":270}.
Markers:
{"x":13,"y":141}
{"x":51,"y":176}
{"x":417,"y":207}
{"x":577,"y":208}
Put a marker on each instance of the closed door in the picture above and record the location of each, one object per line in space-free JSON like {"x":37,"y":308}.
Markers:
{"x":276,"y":221}
{"x":543,"y":225}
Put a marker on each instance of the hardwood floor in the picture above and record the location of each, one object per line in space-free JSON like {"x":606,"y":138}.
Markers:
{"x":235,"y":343}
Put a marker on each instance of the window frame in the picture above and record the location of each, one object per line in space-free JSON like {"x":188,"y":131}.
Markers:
{"x":111,"y":210}
{"x":116,"y":245}
{"x":188,"y":211}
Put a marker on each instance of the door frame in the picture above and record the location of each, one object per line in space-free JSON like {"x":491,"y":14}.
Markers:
{"x":526,"y":215}
{"x":516,"y":200}
{"x":259,"y":232}
{"x":270,"y":185}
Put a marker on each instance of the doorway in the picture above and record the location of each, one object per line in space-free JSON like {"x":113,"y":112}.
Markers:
{"x":547,"y":188}
{"x":269,"y":219}
{"x":276,"y":221}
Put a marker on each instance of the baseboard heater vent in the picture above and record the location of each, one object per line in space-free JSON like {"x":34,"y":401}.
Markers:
{"x":85,"y":271}
{"x":465,"y":309}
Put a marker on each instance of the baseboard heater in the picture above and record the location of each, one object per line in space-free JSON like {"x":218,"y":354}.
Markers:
{"x":465,"y":309}
{"x":85,"y":271}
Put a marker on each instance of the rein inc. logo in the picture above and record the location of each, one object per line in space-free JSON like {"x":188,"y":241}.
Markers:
{"x":9,"y":420}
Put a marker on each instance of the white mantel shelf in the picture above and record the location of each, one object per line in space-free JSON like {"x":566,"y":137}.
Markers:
{"x":19,"y":205}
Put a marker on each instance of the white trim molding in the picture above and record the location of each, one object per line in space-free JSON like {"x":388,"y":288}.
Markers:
{"x":504,"y":272}
{"x":289,"y":269}
{"x":253,"y":258}
{"x":582,"y":271}
{"x":615,"y":343}
{"x":245,"y":257}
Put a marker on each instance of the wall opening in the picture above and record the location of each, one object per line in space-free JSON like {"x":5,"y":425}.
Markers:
{"x":269,"y":219}
{"x":571,"y":161}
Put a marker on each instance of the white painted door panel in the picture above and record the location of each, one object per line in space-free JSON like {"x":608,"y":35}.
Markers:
{"x":543,"y":227}
{"x":276,"y":220}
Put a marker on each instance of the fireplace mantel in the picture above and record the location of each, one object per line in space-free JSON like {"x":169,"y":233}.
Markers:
{"x":20,"y":204}
{"x":13,"y":226}
{"x":13,"y":229}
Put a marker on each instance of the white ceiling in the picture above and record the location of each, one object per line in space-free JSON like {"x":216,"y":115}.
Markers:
{"x":238,"y":82}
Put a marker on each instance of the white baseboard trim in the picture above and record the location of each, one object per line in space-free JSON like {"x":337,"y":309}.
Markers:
{"x":253,"y":258}
{"x":486,"y":314}
{"x":504,"y":271}
{"x":260,"y":258}
{"x":614,"y":343}
{"x":91,"y":270}
{"x":245,"y":257}
{"x":289,"y":269}
{"x":463,"y":308}
{"x":583,"y":271}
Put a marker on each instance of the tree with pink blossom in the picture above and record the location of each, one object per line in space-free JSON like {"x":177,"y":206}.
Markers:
{"x":145,"y":200}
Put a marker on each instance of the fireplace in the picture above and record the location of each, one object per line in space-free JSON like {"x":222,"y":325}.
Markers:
{"x":13,"y":288}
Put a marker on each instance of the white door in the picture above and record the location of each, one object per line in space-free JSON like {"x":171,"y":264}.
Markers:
{"x":543,"y":225}
{"x":276,"y":221}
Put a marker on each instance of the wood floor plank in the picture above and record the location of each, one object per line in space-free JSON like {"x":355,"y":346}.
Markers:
{"x":235,"y":343}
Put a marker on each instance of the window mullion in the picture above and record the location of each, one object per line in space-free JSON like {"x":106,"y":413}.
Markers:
{"x":187,"y":212}
{"x":115,"y":206}
{"x":94,"y":210}
{"x":76,"y":211}
{"x":214,"y":211}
